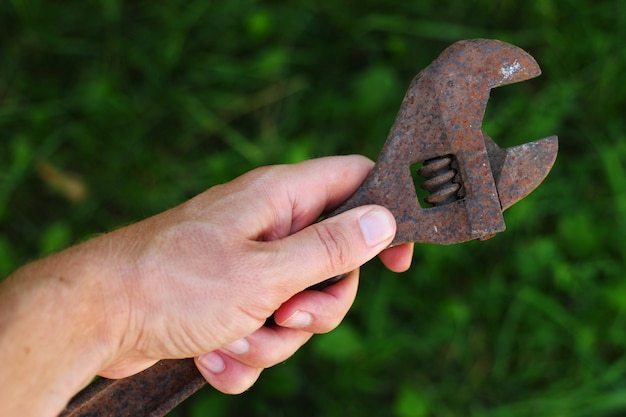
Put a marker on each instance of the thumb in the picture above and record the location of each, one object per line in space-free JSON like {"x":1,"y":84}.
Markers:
{"x":335,"y":246}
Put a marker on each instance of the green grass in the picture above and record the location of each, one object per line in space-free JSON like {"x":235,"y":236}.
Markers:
{"x":140,"y":105}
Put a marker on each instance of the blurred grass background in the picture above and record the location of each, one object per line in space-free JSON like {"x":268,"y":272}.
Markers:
{"x":112,"y":111}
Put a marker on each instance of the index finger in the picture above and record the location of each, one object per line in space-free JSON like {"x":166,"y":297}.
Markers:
{"x":321,"y":185}
{"x":284,"y":199}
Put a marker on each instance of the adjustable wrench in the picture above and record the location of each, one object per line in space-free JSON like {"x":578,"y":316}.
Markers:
{"x":469,"y":179}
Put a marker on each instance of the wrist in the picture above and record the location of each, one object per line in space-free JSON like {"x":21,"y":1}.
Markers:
{"x":53,"y":323}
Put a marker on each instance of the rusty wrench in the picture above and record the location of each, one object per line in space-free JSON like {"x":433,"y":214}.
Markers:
{"x":470,"y":179}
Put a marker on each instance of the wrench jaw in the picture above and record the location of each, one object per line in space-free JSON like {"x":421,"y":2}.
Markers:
{"x":498,"y":63}
{"x":524,"y":168}
{"x":441,"y":116}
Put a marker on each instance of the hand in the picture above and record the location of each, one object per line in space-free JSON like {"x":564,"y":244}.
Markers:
{"x":206,"y":275}
{"x":198,"y":280}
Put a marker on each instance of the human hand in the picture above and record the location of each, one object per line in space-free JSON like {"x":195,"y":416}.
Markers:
{"x":204,"y":276}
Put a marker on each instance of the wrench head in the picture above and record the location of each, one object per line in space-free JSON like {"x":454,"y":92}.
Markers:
{"x":440,"y":120}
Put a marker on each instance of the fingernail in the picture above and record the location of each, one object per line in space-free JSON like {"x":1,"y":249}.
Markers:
{"x":213,"y":362}
{"x":238,"y":347}
{"x":376,"y":227}
{"x":298,"y":320}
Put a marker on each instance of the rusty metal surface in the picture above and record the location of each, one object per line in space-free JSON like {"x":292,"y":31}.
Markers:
{"x":441,"y":116}
{"x":153,"y":392}
{"x":470,"y":180}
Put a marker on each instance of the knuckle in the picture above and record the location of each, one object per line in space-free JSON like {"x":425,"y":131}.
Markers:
{"x":336,"y":245}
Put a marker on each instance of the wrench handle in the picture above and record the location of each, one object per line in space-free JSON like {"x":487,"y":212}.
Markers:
{"x":153,"y":392}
